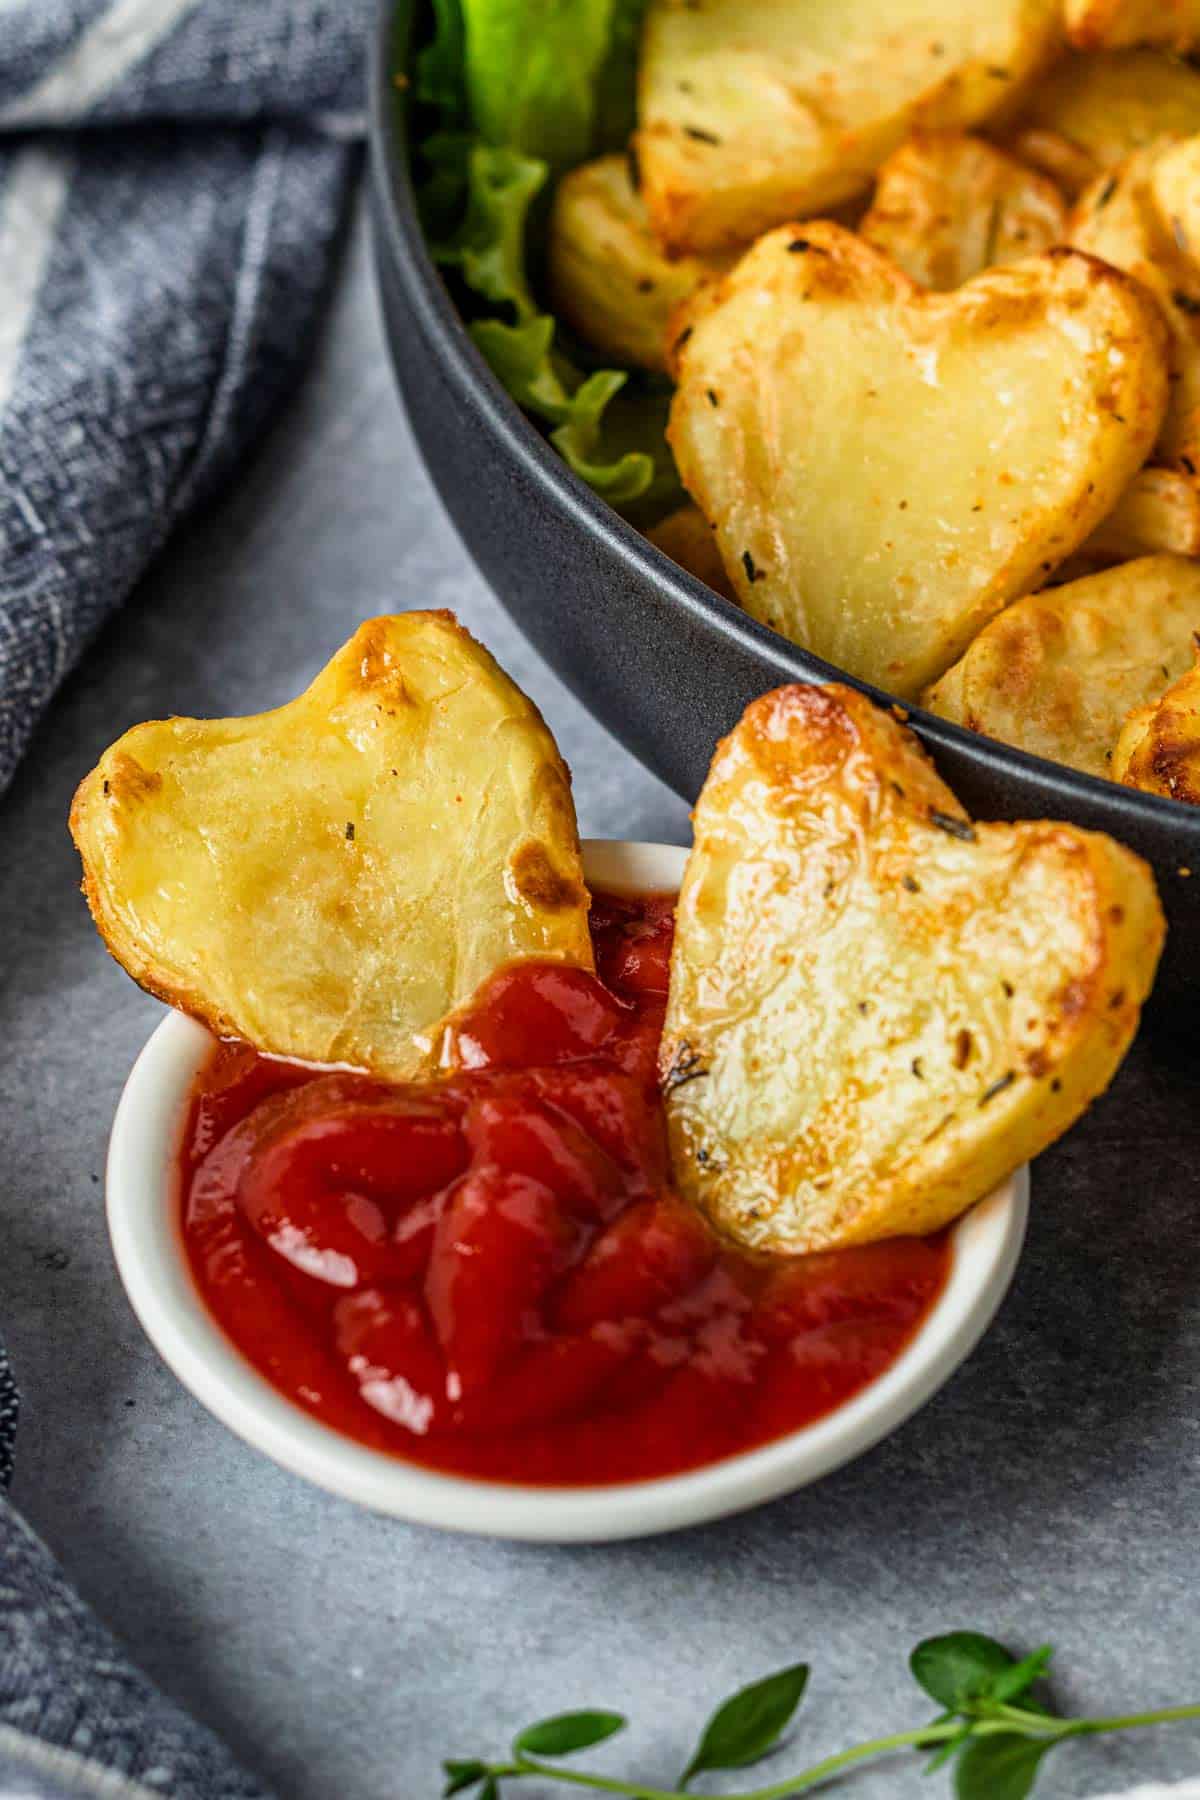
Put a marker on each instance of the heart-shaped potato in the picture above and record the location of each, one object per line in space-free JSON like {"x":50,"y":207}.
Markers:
{"x":1127,"y":218}
{"x":947,"y":206}
{"x":1057,"y":672}
{"x":878,"y":1010}
{"x":1117,"y":24}
{"x":887,"y":467}
{"x":331,"y":880}
{"x":1093,"y":111}
{"x":750,"y":113}
{"x":1159,"y":746}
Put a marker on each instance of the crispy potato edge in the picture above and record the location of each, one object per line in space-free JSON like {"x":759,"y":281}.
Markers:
{"x":362,"y":662}
{"x":1096,"y":1015}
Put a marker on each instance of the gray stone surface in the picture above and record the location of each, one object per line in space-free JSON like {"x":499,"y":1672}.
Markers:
{"x":1048,"y":1492}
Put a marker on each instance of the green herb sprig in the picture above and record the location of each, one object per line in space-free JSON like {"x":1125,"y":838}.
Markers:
{"x":992,"y":1730}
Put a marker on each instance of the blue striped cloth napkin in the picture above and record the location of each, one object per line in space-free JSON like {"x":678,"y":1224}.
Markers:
{"x":173,"y":175}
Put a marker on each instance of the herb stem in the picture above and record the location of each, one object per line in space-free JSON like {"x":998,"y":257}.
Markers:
{"x":1166,"y":1715}
{"x":579,"y":1778}
{"x":1037,"y":1725}
{"x":833,"y":1765}
{"x":1034,"y":1724}
{"x":920,"y":1737}
{"x":923,"y":1737}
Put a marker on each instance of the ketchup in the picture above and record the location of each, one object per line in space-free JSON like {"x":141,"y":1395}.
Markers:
{"x":490,"y":1275}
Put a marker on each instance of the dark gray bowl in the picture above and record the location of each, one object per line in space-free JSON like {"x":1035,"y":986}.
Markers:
{"x":661,"y":660}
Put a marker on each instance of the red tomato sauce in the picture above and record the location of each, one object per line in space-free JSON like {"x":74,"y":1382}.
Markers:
{"x":490,"y":1275}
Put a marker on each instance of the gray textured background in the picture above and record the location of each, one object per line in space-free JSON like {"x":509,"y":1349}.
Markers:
{"x":1049,"y":1491}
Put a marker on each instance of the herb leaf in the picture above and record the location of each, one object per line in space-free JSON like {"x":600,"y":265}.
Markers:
{"x":960,"y":1667}
{"x":1015,"y":1682}
{"x":462,"y":1774}
{"x":749,"y":1723}
{"x":567,"y":1732}
{"x":999,"y":1768}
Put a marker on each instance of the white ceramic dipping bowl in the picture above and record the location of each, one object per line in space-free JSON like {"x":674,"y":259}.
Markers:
{"x":143,"y":1220}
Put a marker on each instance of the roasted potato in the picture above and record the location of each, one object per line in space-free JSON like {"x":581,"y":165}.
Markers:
{"x":331,"y":880}
{"x":608,"y":277}
{"x":751,"y":113}
{"x":1174,"y":185}
{"x":688,"y":539}
{"x":948,"y":206}
{"x":1117,"y":24}
{"x":1118,"y":218}
{"x":1159,"y":746}
{"x":878,"y":1010}
{"x":1093,"y":111}
{"x":1060,"y":161}
{"x":1159,"y":511}
{"x":886,"y":467}
{"x":1056,"y":673}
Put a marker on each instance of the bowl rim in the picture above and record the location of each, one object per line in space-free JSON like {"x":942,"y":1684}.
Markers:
{"x":462,"y":364}
{"x":147,"y":1244}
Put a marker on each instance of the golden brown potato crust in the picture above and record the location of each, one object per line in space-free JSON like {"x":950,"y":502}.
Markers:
{"x":608,"y":277}
{"x":1093,"y":111}
{"x":1118,"y":24}
{"x":947,"y":206}
{"x":330,"y":880}
{"x":751,"y":113}
{"x":878,"y":1010}
{"x":1159,"y":512}
{"x":1174,"y":192}
{"x":886,"y":467}
{"x":1057,"y":672}
{"x":1159,"y":746}
{"x":1137,"y":219}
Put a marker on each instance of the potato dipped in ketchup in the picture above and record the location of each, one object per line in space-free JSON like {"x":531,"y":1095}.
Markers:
{"x":450,"y":1185}
{"x":491,"y":1275}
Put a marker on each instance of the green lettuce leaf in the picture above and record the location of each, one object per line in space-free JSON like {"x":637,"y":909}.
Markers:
{"x":442,"y":193}
{"x":488,"y":246}
{"x":635,"y":422}
{"x":549,"y":387}
{"x":522,"y":358}
{"x":441,"y":66}
{"x":580,"y":441}
{"x":532,"y":69}
{"x":544,"y":83}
